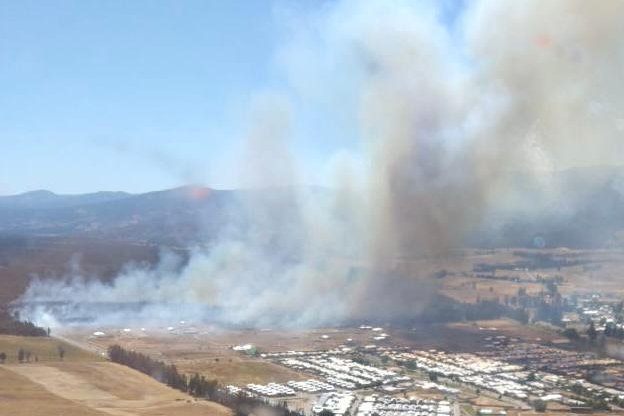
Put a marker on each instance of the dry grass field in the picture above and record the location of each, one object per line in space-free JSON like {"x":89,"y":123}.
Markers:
{"x":43,"y":348}
{"x":19,"y":396}
{"x":240,"y":371}
{"x":113,"y":389}
{"x":84,"y":384}
{"x":209,"y":351}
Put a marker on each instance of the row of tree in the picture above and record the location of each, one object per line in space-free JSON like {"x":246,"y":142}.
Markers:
{"x":195,"y":385}
{"x":25,"y":356}
{"x":11,"y":325}
{"x":159,"y":370}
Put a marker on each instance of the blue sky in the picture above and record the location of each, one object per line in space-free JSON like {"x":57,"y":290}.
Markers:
{"x":130,"y":95}
{"x":124,"y":95}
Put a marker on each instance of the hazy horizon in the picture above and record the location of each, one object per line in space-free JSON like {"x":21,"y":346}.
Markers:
{"x":303,"y":185}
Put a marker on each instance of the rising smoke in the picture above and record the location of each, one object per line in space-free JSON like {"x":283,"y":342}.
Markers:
{"x":444,"y":108}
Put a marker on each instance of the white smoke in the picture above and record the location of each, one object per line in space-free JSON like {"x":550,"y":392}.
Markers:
{"x":442,"y":113}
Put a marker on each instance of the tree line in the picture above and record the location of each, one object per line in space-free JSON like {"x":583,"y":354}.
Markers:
{"x":12,"y":325}
{"x":445,"y":309}
{"x":195,"y":385}
{"x":167,"y":374}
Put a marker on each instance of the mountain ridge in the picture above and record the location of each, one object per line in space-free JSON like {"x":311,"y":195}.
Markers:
{"x":588,"y":211}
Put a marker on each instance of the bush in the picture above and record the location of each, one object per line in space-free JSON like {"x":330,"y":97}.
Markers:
{"x":571,"y":334}
{"x":539,"y":405}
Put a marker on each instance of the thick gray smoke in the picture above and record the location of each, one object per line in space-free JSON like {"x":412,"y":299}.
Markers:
{"x":443,"y":110}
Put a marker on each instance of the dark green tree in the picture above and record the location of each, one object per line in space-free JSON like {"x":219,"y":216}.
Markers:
{"x":591,"y":332}
{"x":539,"y":405}
{"x":572,"y":334}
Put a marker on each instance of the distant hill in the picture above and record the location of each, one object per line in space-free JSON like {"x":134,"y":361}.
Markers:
{"x":581,"y":207}
{"x":171,"y":216}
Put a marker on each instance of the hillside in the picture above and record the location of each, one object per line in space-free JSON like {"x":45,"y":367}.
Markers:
{"x":84,"y":384}
{"x":167,"y":217}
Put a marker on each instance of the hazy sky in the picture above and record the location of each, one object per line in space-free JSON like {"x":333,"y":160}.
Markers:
{"x":137,"y":95}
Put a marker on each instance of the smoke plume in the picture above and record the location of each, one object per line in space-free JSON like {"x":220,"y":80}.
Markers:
{"x":442,"y":109}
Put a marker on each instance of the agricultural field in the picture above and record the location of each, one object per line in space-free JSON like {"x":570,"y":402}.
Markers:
{"x":580,"y":271}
